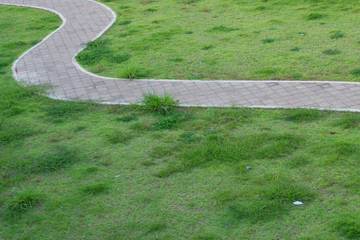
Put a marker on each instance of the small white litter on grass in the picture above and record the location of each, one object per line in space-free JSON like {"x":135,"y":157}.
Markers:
{"x":248,"y":167}
{"x":117,"y":176}
{"x":298,"y":203}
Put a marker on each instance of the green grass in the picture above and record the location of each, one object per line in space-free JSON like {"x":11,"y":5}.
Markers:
{"x":156,"y":103}
{"x":23,"y":200}
{"x":81,"y":170}
{"x":213,"y":39}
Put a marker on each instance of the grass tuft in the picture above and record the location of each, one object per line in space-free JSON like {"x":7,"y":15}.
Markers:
{"x":64,"y":109}
{"x":314,"y":16}
{"x":116,"y":136}
{"x":222,"y":28}
{"x":356,"y":72}
{"x":24,"y":199}
{"x":188,"y":137}
{"x":348,"y":225}
{"x":268,"y":40}
{"x":95,"y":188}
{"x":13,"y":131}
{"x":337,"y":34}
{"x":156,"y":227}
{"x":50,"y":162}
{"x":166,"y":123}
{"x":127,"y":118}
{"x":156,"y":103}
{"x":331,"y":52}
{"x":302,"y":115}
{"x":224,"y":196}
{"x":218,"y":148}
{"x":133,"y":72}
{"x":348,"y":121}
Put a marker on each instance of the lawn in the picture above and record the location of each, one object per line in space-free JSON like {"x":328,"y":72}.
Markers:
{"x":246,"y":39}
{"x":87,"y":171}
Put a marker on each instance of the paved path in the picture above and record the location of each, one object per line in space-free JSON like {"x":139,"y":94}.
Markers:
{"x":52,"y":61}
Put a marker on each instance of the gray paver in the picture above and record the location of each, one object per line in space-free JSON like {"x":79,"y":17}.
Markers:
{"x":51,"y":62}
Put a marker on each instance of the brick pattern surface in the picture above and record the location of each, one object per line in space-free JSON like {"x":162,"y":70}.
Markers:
{"x":51,"y":62}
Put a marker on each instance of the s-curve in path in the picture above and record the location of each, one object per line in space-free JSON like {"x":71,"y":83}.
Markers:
{"x":52,"y":62}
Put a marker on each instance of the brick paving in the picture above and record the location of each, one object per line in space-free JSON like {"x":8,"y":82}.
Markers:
{"x":52,"y":62}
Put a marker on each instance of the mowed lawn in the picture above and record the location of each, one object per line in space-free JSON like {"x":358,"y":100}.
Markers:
{"x":236,"y":39}
{"x":88,"y":171}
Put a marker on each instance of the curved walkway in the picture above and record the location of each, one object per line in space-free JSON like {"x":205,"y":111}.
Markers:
{"x":52,"y":62}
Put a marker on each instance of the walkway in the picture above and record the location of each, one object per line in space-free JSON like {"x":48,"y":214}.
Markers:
{"x":52,"y":61}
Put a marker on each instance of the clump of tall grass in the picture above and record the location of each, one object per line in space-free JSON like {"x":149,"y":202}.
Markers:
{"x":23,"y":199}
{"x":156,"y":103}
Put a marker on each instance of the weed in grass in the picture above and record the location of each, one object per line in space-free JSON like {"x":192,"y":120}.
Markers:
{"x":166,"y":123}
{"x":98,"y":50}
{"x":342,"y":148}
{"x":60,"y":157}
{"x":148,"y":163}
{"x":161,"y":151}
{"x":314,"y":16}
{"x":336,"y":34}
{"x":224,"y":196}
{"x":140,"y":126}
{"x":218,"y":148}
{"x":260,"y":8}
{"x":189,"y":32}
{"x":268,"y":40}
{"x":126,"y":22}
{"x":226,"y":116}
{"x":205,"y":9}
{"x":95,"y":188}
{"x":222,"y":28}
{"x":63,"y":109}
{"x":79,"y":128}
{"x":252,"y":212}
{"x":91,"y":169}
{"x":348,"y":121}
{"x":356,"y":72}
{"x":12,"y":131}
{"x":119,"y":58}
{"x":348,"y":225}
{"x":272,"y":198}
{"x":124,"y":35}
{"x":284,"y":190}
{"x":331,"y":52}
{"x":127,"y":118}
{"x":267,"y":71}
{"x":297,"y":161}
{"x":93,"y":52}
{"x":205,"y":237}
{"x":23,"y":199}
{"x":156,"y":227}
{"x":190,"y":1}
{"x":302,"y":115}
{"x":175,"y":59}
{"x":151,"y":10}
{"x":91,"y":57}
{"x":188,"y":137}
{"x":207,"y":47}
{"x":117,"y":136}
{"x":5,"y":62}
{"x":170,"y":169}
{"x":156,"y":103}
{"x":295,"y":49}
{"x":106,"y":163}
{"x":133,"y":72}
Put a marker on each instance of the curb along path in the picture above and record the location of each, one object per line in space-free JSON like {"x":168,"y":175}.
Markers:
{"x":52,"y":62}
